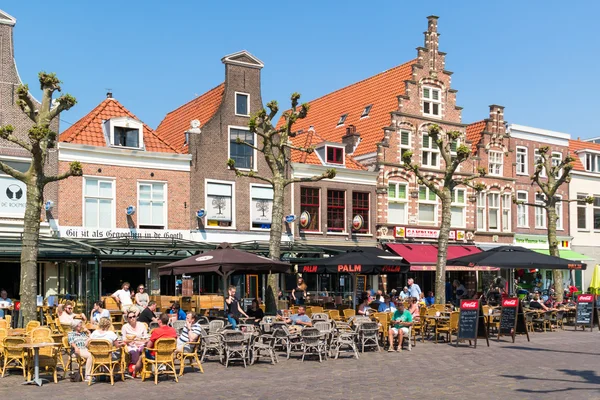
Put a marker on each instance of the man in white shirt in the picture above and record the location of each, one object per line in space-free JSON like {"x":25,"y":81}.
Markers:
{"x":413,"y":289}
{"x":123,"y":297}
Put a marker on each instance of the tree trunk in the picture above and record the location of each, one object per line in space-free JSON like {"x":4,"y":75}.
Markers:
{"x":440,"y":271}
{"x":31,"y":238}
{"x":275,"y":243}
{"x":553,"y":249}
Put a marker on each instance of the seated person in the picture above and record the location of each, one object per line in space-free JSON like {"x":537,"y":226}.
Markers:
{"x":78,"y":339}
{"x":147,"y":314}
{"x":404,"y":293}
{"x":413,"y":308}
{"x":67,"y":317}
{"x":536,"y":303}
{"x":422,"y":301}
{"x":190,"y":333}
{"x":401,"y":323}
{"x":297,"y":319}
{"x":176,"y":312}
{"x":163,"y":331}
{"x":255,"y":312}
{"x":133,"y":331}
{"x":387,"y":305}
{"x":99,"y":312}
{"x":4,"y":297}
{"x":363,"y":308}
{"x":430,"y":299}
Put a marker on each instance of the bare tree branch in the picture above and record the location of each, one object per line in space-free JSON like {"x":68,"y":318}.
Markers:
{"x":65,"y":102}
{"x":7,"y":169}
{"x":25,"y":102}
{"x":6,"y":132}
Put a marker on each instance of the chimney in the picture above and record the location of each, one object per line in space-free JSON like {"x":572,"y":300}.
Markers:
{"x":109,"y":94}
{"x":351,"y":139}
{"x":496,"y":122}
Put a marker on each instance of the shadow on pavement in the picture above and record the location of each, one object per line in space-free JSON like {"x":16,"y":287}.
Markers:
{"x":550,"y":350}
{"x":587,"y":377}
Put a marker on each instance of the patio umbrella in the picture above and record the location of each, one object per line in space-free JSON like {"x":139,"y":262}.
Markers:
{"x":595,"y":283}
{"x":224,"y":260}
{"x":357,"y":261}
{"x":515,"y":257}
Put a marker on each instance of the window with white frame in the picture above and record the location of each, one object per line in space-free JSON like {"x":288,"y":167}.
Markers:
{"x":241,"y":104}
{"x":397,"y":202}
{"x":481,"y":211}
{"x":99,"y":197}
{"x":152,"y":208}
{"x":458,"y":208}
{"x":404,"y":142}
{"x":430,"y":152}
{"x":522,"y":210}
{"x":559,"y":216}
{"x":581,"y":211}
{"x":495,"y":163}
{"x":556,"y":160}
{"x":506,"y":204}
{"x":494,"y":211}
{"x":596,"y":214}
{"x":432,"y":101}
{"x":125,"y":132}
{"x":242,"y":154}
{"x":521,"y":160}
{"x":540,"y":212}
{"x":261,"y":206}
{"x":219,"y":204}
{"x":592,"y":162}
{"x":427,"y":206}
{"x":537,"y":158}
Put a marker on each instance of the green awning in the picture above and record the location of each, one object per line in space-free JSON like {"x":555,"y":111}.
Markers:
{"x":569,"y":255}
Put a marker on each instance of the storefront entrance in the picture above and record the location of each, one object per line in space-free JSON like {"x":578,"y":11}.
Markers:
{"x":113,"y":277}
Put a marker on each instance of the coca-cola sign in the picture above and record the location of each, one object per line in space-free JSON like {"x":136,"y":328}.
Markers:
{"x":585,"y":298}
{"x":510,"y":302}
{"x":469,"y":305}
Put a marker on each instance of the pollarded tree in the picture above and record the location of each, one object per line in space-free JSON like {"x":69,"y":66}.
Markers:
{"x":39,"y":139}
{"x":453,"y":153}
{"x":550,"y":173}
{"x":276,"y":146}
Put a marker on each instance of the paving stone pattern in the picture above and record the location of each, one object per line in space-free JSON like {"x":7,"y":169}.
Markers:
{"x":556,"y":365}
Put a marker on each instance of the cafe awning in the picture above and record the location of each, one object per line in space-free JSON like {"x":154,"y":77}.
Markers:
{"x":423,"y":257}
{"x":568,"y":254}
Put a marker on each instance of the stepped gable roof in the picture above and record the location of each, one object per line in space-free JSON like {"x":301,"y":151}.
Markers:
{"x":379,"y":91}
{"x":88,"y":130}
{"x":172,"y":128}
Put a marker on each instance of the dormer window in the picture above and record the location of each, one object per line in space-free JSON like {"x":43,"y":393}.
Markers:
{"x":342,"y":119}
{"x":592,"y":162}
{"x":432,"y":102}
{"x":335,"y":155}
{"x":124,"y":132}
{"x":366,"y":111}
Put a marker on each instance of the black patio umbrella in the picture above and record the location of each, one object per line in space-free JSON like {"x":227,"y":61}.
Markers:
{"x":515,"y":257}
{"x":356,"y":261}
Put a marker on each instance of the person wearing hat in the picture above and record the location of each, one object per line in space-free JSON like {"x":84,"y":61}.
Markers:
{"x":77,"y":339}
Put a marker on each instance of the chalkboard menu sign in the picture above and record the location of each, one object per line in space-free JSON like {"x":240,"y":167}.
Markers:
{"x":361,"y":283}
{"x":469,"y":325}
{"x":508,"y":318}
{"x":585,"y":310}
{"x":597,"y":320}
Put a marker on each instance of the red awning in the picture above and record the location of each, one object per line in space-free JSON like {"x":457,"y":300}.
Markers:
{"x":423,"y":257}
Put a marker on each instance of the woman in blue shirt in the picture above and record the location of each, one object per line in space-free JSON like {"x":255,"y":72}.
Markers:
{"x":176,"y":309}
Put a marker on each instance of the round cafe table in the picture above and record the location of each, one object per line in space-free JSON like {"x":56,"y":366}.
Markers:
{"x":36,"y":361}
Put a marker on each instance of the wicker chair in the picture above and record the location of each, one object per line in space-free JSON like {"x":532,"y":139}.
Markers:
{"x":103,"y":362}
{"x":368,"y":335}
{"x":178,"y":326}
{"x":449,"y":329}
{"x":313,"y":343}
{"x":72,"y":356}
{"x":418,"y":327}
{"x":48,"y":358}
{"x":263,"y":344}
{"x":31,"y":325}
{"x":3,"y":334}
{"x":326,"y":330}
{"x":529,"y":321}
{"x":234,"y":347}
{"x":558,"y":319}
{"x":41,"y":332}
{"x":345,"y":339}
{"x":319,"y":317}
{"x":211,"y":344}
{"x":164,"y":357}
{"x":348,"y":312}
{"x":215,"y":326}
{"x":13,"y":354}
{"x":4,"y":324}
{"x":285,"y":339}
{"x":334,"y":315}
{"x":192,"y":355}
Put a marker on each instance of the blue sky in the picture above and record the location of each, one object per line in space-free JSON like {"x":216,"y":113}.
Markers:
{"x":537,"y":58}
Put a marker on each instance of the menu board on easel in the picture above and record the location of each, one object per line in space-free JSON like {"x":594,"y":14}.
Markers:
{"x":471,"y":323}
{"x":361,"y":283}
{"x":585,"y":311}
{"x":512,"y":319}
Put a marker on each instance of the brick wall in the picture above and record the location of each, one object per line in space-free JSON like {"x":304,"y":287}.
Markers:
{"x":126,"y":181}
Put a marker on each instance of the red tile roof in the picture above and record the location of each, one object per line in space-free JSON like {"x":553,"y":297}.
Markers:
{"x":88,"y":130}
{"x":309,"y":139}
{"x":202,"y":108}
{"x":577,"y":146}
{"x":474,"y":133}
{"x":380,"y":91}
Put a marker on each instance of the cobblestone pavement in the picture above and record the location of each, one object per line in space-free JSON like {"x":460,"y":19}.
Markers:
{"x":552,"y":366}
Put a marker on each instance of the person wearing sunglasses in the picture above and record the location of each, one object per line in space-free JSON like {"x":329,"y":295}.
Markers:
{"x":134,"y":333}
{"x":176,"y":313}
{"x":67,"y":317}
{"x":141,"y":298}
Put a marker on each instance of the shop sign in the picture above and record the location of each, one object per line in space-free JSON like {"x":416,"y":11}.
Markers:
{"x":357,"y":222}
{"x":349,"y":268}
{"x":13,"y":198}
{"x":304,"y":219}
{"x":403,"y":232}
{"x":78,"y":232}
